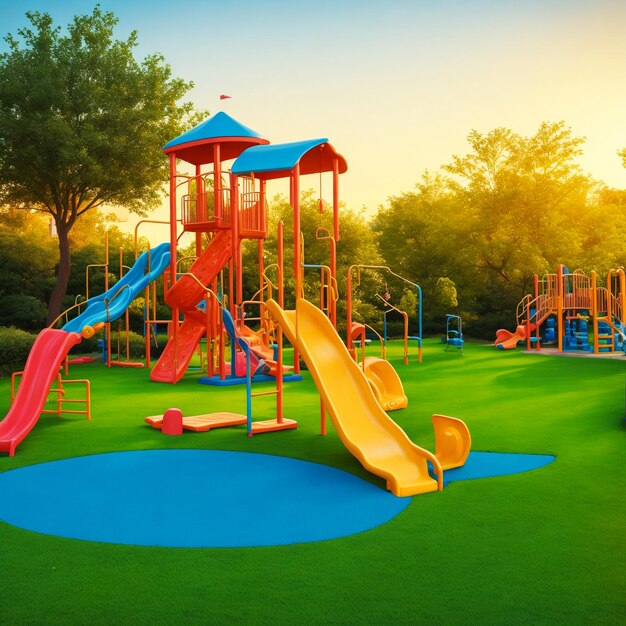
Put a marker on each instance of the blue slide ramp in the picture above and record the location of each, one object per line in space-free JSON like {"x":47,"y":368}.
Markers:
{"x":110,"y":305}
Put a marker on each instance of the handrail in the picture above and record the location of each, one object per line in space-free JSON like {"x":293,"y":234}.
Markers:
{"x":206,"y":289}
{"x":78,"y":304}
{"x":139,"y":223}
{"x":406,"y":326}
{"x":360,"y":267}
{"x":334,"y":287}
{"x":241,"y":307}
{"x":380,"y":339}
{"x":185,"y":258}
{"x":543,"y":304}
{"x":264,"y":274}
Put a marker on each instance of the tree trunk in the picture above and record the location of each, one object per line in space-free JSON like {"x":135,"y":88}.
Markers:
{"x":63,"y":273}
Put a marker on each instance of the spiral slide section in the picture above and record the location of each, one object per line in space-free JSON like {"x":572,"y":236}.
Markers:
{"x":379,"y":444}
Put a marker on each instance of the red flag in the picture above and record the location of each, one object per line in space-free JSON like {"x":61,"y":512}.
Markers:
{"x":224,"y":97}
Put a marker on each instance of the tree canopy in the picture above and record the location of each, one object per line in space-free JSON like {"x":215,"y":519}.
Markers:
{"x":82,"y":123}
{"x":512,"y":206}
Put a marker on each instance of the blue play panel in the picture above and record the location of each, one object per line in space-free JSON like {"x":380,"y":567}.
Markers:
{"x":209,"y":498}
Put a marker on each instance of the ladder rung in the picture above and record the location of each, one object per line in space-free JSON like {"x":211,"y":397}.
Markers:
{"x":265,"y":393}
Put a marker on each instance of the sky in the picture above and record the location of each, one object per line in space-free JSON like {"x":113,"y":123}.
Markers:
{"x":395,"y":85}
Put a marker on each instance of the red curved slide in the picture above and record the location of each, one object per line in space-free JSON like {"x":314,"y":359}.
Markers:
{"x":185,"y":294}
{"x":41,"y":369}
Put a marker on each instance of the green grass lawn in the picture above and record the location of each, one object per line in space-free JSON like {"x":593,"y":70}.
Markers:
{"x":542,"y":547}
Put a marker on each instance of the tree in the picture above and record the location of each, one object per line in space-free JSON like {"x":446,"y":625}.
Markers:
{"x":422,"y":235}
{"x":522,"y":201}
{"x":26,"y":279}
{"x":622,"y":153}
{"x":511,"y":207}
{"x":82,"y":124}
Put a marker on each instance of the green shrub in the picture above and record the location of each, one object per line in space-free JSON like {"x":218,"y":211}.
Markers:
{"x":87,"y":346}
{"x":137,"y":345}
{"x":26,"y":312}
{"x":15,"y":345}
{"x":485,"y":326}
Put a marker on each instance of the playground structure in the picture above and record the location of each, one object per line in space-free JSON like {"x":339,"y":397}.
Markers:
{"x":454,"y":332}
{"x":358,"y":269}
{"x":565,"y":307}
{"x":221,"y":208}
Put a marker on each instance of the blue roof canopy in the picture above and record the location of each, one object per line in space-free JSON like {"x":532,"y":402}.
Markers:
{"x":277,"y":160}
{"x":192,"y":145}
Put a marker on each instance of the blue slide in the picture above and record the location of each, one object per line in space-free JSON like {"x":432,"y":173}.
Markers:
{"x":110,"y":305}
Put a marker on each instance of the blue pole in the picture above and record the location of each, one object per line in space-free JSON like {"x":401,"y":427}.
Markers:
{"x":248,"y":392}
{"x":419,"y":316}
{"x":385,"y":328}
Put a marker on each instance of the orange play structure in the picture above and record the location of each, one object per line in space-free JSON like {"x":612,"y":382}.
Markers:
{"x":566,"y":308}
{"x":224,"y":207}
{"x":222,"y":203}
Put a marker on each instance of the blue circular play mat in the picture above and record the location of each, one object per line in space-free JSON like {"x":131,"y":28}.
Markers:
{"x":192,"y":498}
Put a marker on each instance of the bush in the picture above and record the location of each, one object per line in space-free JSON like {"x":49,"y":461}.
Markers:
{"x":485,"y":326}
{"x":87,"y":346}
{"x":25,"y":312}
{"x":137,"y":345}
{"x":15,"y":345}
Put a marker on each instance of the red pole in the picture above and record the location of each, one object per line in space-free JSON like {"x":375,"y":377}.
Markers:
{"x":336,"y":199}
{"x":281,"y":291}
{"x":559,"y":306}
{"x":200,"y":201}
{"x":333,"y":273}
{"x":279,"y":337}
{"x":217,"y":182}
{"x":349,"y":308}
{"x":295,"y":204}
{"x":261,"y":267}
{"x":173,"y":256}
{"x":234,"y":220}
{"x":262,"y":207}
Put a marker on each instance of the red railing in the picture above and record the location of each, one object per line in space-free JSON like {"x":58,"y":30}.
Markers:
{"x":198,"y":211}
{"x":253,"y":215}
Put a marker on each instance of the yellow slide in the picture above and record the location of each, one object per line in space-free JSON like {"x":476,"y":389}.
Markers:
{"x":380,"y":445}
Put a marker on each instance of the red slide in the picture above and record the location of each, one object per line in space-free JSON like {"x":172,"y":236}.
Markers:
{"x":42,"y":367}
{"x":185,"y":295}
{"x":167,"y":368}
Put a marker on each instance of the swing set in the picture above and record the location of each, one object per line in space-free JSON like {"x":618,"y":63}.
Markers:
{"x":358,"y":269}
